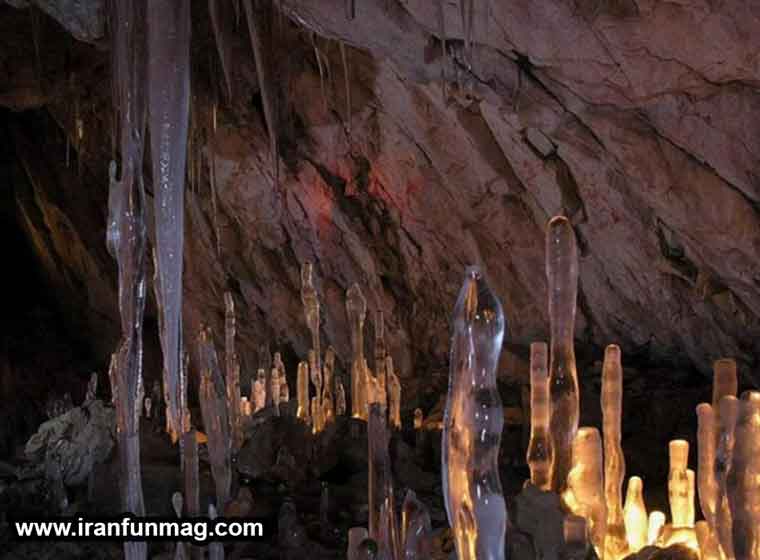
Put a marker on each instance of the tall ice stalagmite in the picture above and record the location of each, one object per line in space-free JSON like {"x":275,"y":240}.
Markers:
{"x":585,"y":484}
{"x":678,"y":483}
{"x":635,"y":515}
{"x":168,"y":104}
{"x":539,"y":454}
{"x":706,"y":483}
{"x":562,"y":276}
{"x":126,"y":243}
{"x":356,"y":310}
{"x":615,"y":542}
{"x":724,"y":451}
{"x":473,"y":423}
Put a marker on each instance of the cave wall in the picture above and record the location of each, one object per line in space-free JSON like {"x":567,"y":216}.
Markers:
{"x":638,"y":120}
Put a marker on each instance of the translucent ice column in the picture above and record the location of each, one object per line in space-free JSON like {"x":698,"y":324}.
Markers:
{"x":706,"y":483}
{"x":259,"y":396}
{"x":654,"y":526}
{"x":678,"y":483}
{"x":562,"y":276}
{"x":615,"y":543}
{"x":539,"y":454}
{"x":473,"y":422}
{"x":356,"y":310}
{"x":635,"y":515}
{"x":585,"y":495}
{"x":415,"y":529}
{"x":743,"y":481}
{"x":708,"y":545}
{"x":213,"y":397}
{"x":168,"y":103}
{"x":304,"y":405}
{"x":394,"y":394}
{"x":232,"y":370}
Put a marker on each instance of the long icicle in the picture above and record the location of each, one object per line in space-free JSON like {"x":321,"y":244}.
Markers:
{"x":169,"y":102}
{"x":255,"y":31}
{"x":347,"y":82}
{"x":126,"y":239}
{"x":216,"y":16}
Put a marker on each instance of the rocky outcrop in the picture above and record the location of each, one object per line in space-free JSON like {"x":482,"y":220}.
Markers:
{"x":636,"y":119}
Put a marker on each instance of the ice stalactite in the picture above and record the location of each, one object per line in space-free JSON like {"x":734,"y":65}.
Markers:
{"x":615,"y":543}
{"x":126,"y":241}
{"x":539,"y":453}
{"x":356,"y":310}
{"x":256,"y":30}
{"x":724,"y":450}
{"x":562,"y":275}
{"x":467,"y":12}
{"x":585,"y":484}
{"x":743,"y":481}
{"x":347,"y":84}
{"x":321,"y":68}
{"x":216,"y":15}
{"x":213,"y":397}
{"x":473,"y":422}
{"x":635,"y":515}
{"x":232,"y":367}
{"x":168,"y":103}
{"x":416,"y":532}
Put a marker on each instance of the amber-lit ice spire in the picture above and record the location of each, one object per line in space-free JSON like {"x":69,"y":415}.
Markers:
{"x":302,"y":387}
{"x":706,"y":483}
{"x":724,"y":450}
{"x":615,"y":542}
{"x":473,"y":423}
{"x":356,"y":309}
{"x":539,"y":454}
{"x":585,"y":484}
{"x":635,"y":515}
{"x":678,"y":483}
{"x":562,"y":276}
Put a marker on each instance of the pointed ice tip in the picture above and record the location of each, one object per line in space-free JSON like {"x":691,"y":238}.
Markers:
{"x":477,"y":303}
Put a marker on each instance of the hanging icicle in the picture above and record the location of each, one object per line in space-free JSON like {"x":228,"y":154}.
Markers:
{"x":217,"y":21}
{"x":256,"y":32}
{"x":169,"y":101}
{"x":347,"y":82}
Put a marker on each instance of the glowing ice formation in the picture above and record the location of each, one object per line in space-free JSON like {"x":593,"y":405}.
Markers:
{"x":302,"y":387}
{"x":381,"y":363}
{"x":654,"y":526}
{"x":562,"y":276}
{"x":473,"y":423}
{"x":708,"y":545}
{"x":706,"y":482}
{"x":615,"y":542}
{"x":169,"y":102}
{"x":310,"y":301}
{"x":415,"y":529}
{"x":539,"y":454}
{"x":394,"y":394}
{"x":356,"y":310}
{"x":213,"y":397}
{"x":585,"y":495}
{"x":743,"y":481}
{"x":259,"y":396}
{"x":678,"y":483}
{"x":340,"y":398}
{"x":635,"y":515}
{"x":729,"y":412}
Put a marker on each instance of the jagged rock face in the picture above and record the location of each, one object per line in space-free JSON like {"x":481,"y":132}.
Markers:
{"x":636,"y":119}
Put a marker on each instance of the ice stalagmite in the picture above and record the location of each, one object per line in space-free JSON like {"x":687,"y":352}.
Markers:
{"x":380,"y":354}
{"x":539,"y":454}
{"x":316,"y":378}
{"x":393,"y":394}
{"x":615,"y":543}
{"x":168,"y":103}
{"x":356,"y":310}
{"x":654,"y":526}
{"x":416,"y":533}
{"x":585,"y":495}
{"x":678,"y":483}
{"x":708,"y":545}
{"x":383,"y":525}
{"x":724,"y":450}
{"x":743,"y":481}
{"x":340,"y":398}
{"x":562,"y":275}
{"x":259,"y":396}
{"x":725,"y":383}
{"x":232,"y":367}
{"x":706,"y":483}
{"x":265,"y":365}
{"x":257,"y":29}
{"x":635,"y":515}
{"x":213,"y":397}
{"x":126,"y":243}
{"x":473,"y":423}
{"x":302,"y":388}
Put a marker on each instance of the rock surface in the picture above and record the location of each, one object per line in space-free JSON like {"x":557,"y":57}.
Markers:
{"x":636,"y":119}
